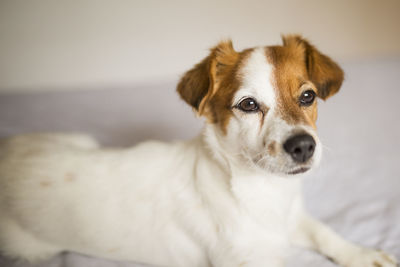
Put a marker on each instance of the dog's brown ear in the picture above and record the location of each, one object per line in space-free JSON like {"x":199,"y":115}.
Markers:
{"x":200,"y":83}
{"x":326,"y":75}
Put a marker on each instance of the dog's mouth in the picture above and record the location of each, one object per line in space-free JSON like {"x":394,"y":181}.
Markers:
{"x":298,"y":170}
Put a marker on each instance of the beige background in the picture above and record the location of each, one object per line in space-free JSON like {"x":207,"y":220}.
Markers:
{"x":136,"y":51}
{"x":57,"y":45}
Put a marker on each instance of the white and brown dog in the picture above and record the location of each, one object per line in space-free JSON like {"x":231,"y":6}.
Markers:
{"x":229,"y":198}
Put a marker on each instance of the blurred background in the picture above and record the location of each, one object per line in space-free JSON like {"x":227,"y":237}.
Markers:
{"x":109,"y":68}
{"x":66,"y":45}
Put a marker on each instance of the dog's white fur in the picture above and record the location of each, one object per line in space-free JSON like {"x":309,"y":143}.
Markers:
{"x":189,"y":204}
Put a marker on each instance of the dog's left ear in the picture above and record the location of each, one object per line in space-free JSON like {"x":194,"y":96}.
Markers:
{"x":199,"y":85}
{"x":326,"y":74}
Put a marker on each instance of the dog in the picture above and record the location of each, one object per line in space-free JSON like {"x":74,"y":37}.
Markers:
{"x":229,"y":198}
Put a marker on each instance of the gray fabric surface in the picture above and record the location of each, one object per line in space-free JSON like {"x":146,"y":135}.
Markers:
{"x":356,"y":189}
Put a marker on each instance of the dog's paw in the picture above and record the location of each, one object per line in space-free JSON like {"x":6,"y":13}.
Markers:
{"x":373,"y":258}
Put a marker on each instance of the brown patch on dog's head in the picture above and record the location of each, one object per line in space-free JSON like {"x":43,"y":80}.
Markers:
{"x":209,"y":87}
{"x":322,"y":71}
{"x":299,"y":65}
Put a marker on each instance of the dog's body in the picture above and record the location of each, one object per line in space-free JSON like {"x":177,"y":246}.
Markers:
{"x":224,"y":199}
{"x":171,"y":212}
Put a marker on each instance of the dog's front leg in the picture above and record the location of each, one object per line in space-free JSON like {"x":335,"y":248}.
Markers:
{"x":313,"y":234}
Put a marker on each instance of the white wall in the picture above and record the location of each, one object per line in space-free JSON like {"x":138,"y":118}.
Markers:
{"x":49,"y":44}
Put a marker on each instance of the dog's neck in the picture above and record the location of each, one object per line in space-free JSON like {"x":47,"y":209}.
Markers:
{"x":252,"y":188}
{"x":215,"y":143}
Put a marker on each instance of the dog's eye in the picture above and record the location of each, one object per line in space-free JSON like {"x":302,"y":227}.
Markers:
{"x":307,"y":98}
{"x":248,"y":105}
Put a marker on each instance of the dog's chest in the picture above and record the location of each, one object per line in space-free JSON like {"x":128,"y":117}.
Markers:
{"x":268,"y":202}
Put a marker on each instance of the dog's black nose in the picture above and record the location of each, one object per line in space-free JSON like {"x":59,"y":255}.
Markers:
{"x":300,"y":147}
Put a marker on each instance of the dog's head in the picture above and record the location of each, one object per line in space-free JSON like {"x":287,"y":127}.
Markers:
{"x":261,"y":102}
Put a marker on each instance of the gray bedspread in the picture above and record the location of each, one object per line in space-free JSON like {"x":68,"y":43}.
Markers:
{"x":356,"y":189}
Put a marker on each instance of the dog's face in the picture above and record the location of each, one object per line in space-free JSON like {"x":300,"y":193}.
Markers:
{"x":262,"y":103}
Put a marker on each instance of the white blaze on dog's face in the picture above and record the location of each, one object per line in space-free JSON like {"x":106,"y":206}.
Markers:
{"x":261,"y":102}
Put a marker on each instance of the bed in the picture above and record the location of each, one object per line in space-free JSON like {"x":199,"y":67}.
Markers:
{"x":356,"y":189}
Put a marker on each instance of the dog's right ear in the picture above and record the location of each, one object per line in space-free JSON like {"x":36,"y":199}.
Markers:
{"x":198,"y":85}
